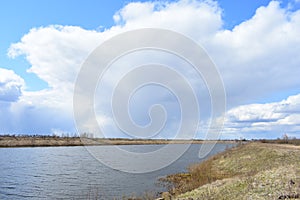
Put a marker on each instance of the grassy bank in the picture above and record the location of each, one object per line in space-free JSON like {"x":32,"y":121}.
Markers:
{"x":250,"y":171}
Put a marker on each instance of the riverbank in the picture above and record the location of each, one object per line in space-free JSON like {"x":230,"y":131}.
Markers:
{"x":46,"y":141}
{"x":249,"y":171}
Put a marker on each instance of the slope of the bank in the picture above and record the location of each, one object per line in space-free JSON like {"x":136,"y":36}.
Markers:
{"x":251,"y":171}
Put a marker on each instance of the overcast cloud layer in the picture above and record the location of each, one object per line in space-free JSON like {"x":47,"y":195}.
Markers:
{"x":258,"y":59}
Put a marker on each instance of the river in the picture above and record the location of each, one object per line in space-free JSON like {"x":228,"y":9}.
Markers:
{"x":72,"y":173}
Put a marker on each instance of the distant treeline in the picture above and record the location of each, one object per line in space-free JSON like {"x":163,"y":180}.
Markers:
{"x":91,"y":135}
{"x":60,"y":135}
{"x":39,"y":136}
{"x":284,"y":140}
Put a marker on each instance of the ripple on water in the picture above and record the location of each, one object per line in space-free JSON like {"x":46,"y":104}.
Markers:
{"x":72,"y":173}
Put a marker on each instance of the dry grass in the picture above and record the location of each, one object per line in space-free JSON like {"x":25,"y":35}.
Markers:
{"x":34,"y":141}
{"x":251,"y":171}
{"x":38,"y":140}
{"x":292,"y":141}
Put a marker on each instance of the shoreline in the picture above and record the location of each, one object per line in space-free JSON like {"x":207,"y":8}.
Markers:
{"x":52,"y":141}
{"x":249,"y":171}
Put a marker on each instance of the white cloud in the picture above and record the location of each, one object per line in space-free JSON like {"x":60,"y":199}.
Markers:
{"x":277,"y":117}
{"x":197,"y":19}
{"x":11,"y":85}
{"x":257,"y":59}
{"x":55,"y":52}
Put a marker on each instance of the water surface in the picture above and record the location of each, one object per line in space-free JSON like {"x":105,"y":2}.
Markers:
{"x":72,"y":173}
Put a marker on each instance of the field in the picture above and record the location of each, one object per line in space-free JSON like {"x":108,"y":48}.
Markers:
{"x":40,"y":141}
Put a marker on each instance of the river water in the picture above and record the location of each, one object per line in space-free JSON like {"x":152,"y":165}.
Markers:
{"x":72,"y":173}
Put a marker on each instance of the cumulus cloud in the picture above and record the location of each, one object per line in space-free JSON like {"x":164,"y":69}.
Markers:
{"x":20,"y":115}
{"x":259,"y":56}
{"x":55,"y":52}
{"x":11,"y":85}
{"x":255,"y":119}
{"x":197,"y":19}
{"x":257,"y":59}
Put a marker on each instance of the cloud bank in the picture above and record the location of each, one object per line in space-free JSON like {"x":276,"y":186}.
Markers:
{"x":258,"y":59}
{"x":255,"y":119}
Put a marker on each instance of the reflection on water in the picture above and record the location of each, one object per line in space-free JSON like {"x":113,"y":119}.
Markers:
{"x":72,"y":173}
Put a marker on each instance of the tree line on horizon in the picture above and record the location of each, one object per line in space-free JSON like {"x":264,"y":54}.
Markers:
{"x":285,"y":139}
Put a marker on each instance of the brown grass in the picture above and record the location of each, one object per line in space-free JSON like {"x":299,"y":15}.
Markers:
{"x":198,"y":175}
{"x":37,"y":140}
{"x":252,"y":170}
{"x":282,"y":141}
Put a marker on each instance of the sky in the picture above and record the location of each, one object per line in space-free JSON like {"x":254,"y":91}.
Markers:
{"x":254,"y":45}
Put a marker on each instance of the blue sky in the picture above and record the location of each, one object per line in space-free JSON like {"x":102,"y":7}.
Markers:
{"x":31,"y":100}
